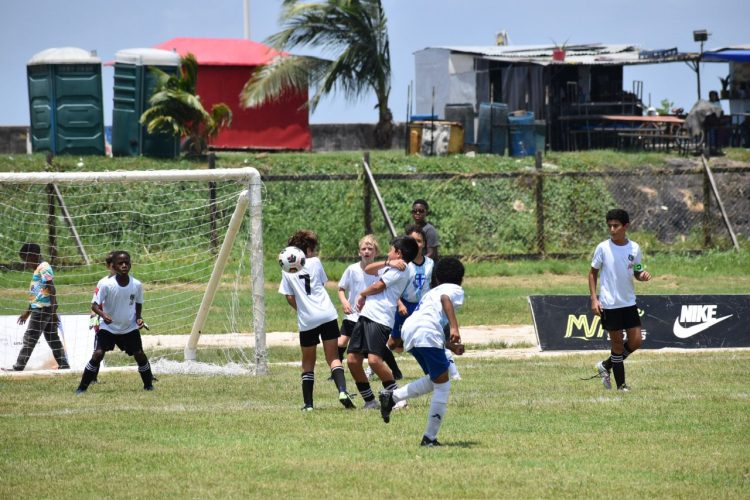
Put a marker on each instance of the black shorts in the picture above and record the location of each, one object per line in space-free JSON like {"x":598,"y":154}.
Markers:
{"x":326,"y":331}
{"x":129,"y":342}
{"x":621,"y":318}
{"x":347,"y":327}
{"x":369,"y":337}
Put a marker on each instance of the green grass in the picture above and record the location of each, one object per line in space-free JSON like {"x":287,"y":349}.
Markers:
{"x":524,"y":428}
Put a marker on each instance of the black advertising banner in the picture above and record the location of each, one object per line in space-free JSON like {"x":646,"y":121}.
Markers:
{"x":565,"y":322}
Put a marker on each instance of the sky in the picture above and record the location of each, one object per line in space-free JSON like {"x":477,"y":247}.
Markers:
{"x":30,"y":26}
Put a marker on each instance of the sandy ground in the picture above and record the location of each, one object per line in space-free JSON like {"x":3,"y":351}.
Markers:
{"x":509,"y":334}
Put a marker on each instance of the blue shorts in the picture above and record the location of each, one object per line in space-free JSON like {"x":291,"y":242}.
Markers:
{"x":410,"y":307}
{"x":433,"y":360}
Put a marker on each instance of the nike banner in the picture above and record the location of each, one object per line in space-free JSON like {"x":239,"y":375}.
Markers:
{"x":565,"y":322}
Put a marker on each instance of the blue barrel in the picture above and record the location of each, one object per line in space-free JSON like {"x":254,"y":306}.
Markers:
{"x":522,"y":133}
{"x":492,"y":136}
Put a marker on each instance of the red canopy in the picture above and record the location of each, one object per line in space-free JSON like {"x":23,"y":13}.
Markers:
{"x":224,"y":65}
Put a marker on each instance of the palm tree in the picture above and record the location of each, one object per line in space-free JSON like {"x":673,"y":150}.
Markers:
{"x":175,"y":109}
{"x":355,"y":32}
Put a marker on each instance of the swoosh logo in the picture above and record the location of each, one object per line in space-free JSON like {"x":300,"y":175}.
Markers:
{"x":682,"y":332}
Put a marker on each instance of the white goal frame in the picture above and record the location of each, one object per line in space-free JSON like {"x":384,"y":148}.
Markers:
{"x":250,"y":197}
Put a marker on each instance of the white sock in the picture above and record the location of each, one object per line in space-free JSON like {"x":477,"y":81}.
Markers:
{"x":438,"y":406}
{"x":452,"y":368}
{"x":413,"y":389}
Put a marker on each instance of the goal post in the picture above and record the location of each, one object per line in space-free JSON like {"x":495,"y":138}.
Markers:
{"x":91,"y":227}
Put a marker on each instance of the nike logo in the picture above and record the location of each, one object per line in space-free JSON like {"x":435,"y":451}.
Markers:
{"x":682,"y":332}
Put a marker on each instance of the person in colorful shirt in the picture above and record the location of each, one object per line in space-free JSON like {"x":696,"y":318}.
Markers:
{"x":42,"y":310}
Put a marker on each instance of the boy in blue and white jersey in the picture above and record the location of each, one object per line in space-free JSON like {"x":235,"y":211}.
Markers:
{"x":424,"y":338}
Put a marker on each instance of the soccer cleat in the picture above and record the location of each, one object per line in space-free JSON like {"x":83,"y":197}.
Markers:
{"x":386,"y":405}
{"x":346,"y":400}
{"x":64,"y":367}
{"x":80,"y":391}
{"x":401,"y":405}
{"x":624,"y":388}
{"x":307,"y":408}
{"x":429,"y":442}
{"x":148,"y":387}
{"x":604,"y":374}
{"x":371,"y":405}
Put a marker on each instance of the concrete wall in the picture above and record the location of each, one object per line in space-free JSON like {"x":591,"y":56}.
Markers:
{"x":13,"y":140}
{"x":352,"y":136}
{"x":326,"y":137}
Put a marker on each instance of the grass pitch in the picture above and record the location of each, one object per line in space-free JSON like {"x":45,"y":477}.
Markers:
{"x":515,"y":428}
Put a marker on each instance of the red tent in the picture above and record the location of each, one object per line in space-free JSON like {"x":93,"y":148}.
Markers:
{"x":224,"y":65}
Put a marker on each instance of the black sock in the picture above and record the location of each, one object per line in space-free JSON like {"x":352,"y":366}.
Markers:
{"x":365,"y":391}
{"x":390,"y":360}
{"x":337,"y":374}
{"x":342,"y":351}
{"x":618,"y":369}
{"x":308,"y":382}
{"x":89,"y":373}
{"x":145,"y":371}
{"x":390,"y":385}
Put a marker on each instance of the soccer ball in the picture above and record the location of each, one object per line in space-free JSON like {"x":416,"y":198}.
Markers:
{"x":291,"y":259}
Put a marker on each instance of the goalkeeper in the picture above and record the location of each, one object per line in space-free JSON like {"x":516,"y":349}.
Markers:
{"x":119,"y":302}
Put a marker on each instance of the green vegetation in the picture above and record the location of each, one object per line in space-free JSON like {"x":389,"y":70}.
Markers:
{"x":515,"y":428}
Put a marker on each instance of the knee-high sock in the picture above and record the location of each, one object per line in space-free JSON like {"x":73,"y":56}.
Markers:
{"x":452,"y":368}
{"x":308,"y":383}
{"x":438,"y":407}
{"x":89,"y":373}
{"x":390,"y":360}
{"x":145,"y":372}
{"x":414,"y":389}
{"x":365,"y":391}
{"x":618,"y":369}
{"x":339,"y":380}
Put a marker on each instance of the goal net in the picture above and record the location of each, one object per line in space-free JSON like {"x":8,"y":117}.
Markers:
{"x":195,"y":240}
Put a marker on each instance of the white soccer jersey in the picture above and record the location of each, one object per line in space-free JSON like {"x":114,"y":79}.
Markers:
{"x":424,"y":328}
{"x":381,"y":307}
{"x":354,"y":280}
{"x":419,"y":280}
{"x":119,"y":303}
{"x":615,"y":264}
{"x":314,"y":306}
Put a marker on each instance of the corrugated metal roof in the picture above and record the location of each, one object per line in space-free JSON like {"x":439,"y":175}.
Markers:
{"x":587,"y":54}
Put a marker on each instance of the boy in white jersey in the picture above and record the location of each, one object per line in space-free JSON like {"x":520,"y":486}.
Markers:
{"x":316,"y":317}
{"x":618,"y":260}
{"x":424,"y":338}
{"x":377,"y":309}
{"x":119,"y":302}
{"x":353,"y":281}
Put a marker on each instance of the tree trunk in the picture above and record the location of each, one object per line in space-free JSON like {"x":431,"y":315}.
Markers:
{"x":384,"y":128}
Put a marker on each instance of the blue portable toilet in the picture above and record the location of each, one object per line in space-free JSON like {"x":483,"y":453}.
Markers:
{"x":134,"y":84}
{"x":65,"y":101}
{"x":492,"y":136}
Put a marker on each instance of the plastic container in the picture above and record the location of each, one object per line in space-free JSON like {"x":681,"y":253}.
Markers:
{"x":522,"y":134}
{"x":133,"y":87}
{"x":65,"y":101}
{"x":492,"y":135}
{"x":452,"y":144}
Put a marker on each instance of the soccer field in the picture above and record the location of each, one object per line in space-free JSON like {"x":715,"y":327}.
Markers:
{"x":515,"y":428}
